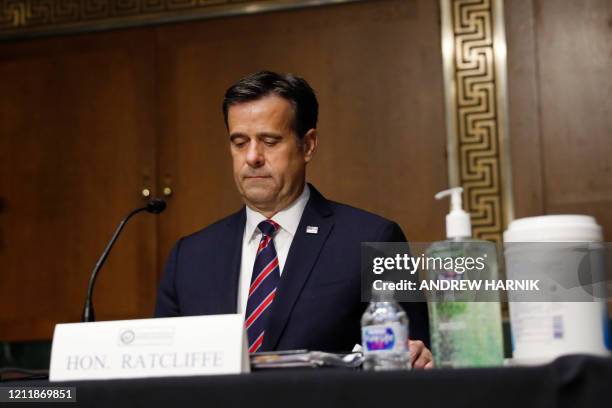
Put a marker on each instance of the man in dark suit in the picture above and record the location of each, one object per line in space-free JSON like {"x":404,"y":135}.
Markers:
{"x":290,"y":259}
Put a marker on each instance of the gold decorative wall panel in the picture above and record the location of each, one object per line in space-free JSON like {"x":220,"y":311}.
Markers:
{"x":27,"y":18}
{"x":474,"y":55}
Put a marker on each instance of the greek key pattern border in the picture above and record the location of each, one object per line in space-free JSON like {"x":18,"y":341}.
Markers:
{"x":474,"y":55}
{"x":29,"y":18}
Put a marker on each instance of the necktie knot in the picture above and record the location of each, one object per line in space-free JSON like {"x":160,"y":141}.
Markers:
{"x":268,"y":227}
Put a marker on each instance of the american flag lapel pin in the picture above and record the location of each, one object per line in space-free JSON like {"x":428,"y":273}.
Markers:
{"x":312,"y":229}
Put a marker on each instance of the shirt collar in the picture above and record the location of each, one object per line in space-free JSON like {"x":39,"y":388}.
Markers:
{"x":288,"y":218}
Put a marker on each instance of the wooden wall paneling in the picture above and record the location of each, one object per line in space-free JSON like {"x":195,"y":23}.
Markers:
{"x":377,"y":69}
{"x":559,"y":64}
{"x":574,"y":41}
{"x":575,"y":61}
{"x":523,"y":106}
{"x":77,"y":138}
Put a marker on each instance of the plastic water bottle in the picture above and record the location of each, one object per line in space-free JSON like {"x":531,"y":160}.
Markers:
{"x":384,"y":334}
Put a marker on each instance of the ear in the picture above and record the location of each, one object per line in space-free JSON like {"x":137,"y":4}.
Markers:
{"x":309,"y":144}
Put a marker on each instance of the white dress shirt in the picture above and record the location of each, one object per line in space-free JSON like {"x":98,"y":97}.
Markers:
{"x":288,"y":220}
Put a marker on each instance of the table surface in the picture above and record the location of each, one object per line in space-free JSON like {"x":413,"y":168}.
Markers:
{"x":571,"y":381}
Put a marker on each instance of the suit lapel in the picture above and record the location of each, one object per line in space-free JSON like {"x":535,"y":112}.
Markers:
{"x":228,"y":263}
{"x":303,"y":254}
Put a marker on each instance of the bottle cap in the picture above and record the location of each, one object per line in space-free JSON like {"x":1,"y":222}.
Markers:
{"x":458,"y":223}
{"x":383,"y":295}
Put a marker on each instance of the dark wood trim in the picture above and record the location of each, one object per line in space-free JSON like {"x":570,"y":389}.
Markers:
{"x":30,"y":18}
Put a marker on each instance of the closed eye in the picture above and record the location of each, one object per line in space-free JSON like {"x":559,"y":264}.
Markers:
{"x":270,"y":142}
{"x":239,"y":140}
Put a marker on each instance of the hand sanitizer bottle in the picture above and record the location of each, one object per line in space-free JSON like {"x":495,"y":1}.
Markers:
{"x":463,"y":333}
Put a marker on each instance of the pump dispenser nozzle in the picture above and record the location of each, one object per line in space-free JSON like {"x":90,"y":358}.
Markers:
{"x":458,"y":223}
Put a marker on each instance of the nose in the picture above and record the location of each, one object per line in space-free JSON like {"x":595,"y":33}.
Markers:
{"x":255,"y":157}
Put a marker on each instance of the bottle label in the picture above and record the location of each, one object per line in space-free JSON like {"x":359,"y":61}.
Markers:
{"x":384,"y":338}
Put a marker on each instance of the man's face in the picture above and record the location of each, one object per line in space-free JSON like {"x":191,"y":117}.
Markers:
{"x":269,"y":162}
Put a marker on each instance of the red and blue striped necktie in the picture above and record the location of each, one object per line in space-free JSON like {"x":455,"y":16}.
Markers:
{"x":266,"y":274}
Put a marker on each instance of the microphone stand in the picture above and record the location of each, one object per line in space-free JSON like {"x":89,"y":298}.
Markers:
{"x":154,"y":206}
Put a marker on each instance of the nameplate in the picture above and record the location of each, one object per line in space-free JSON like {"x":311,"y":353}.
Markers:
{"x":165,"y":347}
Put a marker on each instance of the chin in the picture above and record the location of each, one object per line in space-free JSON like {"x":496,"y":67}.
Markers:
{"x":258,"y":195}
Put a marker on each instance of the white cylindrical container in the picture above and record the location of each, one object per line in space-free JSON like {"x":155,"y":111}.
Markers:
{"x":542,"y":331}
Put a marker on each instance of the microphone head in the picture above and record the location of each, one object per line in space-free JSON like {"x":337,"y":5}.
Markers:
{"x":156,"y":205}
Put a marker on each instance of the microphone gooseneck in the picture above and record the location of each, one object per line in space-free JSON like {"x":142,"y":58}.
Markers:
{"x":154,"y":206}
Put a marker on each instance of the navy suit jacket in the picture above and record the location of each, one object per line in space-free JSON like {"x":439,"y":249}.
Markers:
{"x":318,"y":301}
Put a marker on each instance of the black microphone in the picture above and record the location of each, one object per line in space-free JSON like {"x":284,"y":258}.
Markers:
{"x":154,"y":206}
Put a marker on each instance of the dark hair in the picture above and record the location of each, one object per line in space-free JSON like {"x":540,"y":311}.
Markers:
{"x":291,"y":87}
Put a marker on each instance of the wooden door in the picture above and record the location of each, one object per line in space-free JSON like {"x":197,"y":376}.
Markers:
{"x":77,"y":141}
